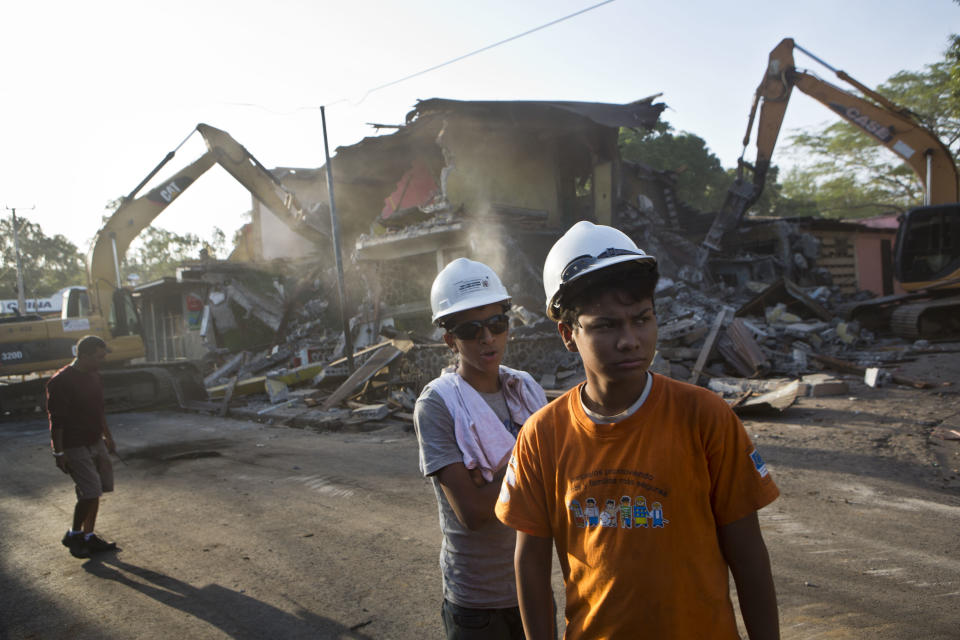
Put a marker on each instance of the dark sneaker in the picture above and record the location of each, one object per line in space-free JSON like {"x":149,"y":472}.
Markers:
{"x":70,"y":539}
{"x":80,"y":549}
{"x":77,"y":545}
{"x":96,"y":544}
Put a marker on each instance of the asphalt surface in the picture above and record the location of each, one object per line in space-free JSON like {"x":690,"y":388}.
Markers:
{"x":228,"y":529}
{"x":232,"y":529}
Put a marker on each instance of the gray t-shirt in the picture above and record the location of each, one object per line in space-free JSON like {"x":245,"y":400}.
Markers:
{"x":477,"y":566}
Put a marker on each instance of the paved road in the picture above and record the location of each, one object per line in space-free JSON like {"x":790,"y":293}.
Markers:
{"x":231,"y":529}
{"x":228,"y":529}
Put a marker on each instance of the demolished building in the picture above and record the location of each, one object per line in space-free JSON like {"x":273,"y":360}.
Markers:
{"x":497,"y":182}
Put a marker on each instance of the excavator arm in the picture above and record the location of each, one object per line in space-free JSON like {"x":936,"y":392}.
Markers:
{"x":133,"y":215}
{"x":137,"y":212}
{"x":886,"y":123}
{"x":107,"y":309}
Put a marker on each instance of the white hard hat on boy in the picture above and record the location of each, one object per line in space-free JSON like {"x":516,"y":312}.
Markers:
{"x":583,"y":249}
{"x":465,"y":284}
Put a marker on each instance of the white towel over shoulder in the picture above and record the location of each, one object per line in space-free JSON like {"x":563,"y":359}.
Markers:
{"x":484,"y":441}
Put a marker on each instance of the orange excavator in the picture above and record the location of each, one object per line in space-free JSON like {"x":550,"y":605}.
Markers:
{"x":31,"y":346}
{"x":927,"y":249}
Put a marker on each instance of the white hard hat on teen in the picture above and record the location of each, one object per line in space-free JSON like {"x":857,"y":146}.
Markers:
{"x":465,"y":284}
{"x":583,"y":249}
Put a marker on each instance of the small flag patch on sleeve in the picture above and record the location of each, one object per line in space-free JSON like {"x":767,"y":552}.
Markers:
{"x":758,"y":463}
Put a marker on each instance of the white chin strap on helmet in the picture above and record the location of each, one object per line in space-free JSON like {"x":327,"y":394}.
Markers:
{"x":583,"y":249}
{"x":465,"y":284}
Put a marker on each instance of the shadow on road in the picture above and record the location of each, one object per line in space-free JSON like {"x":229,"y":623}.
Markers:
{"x":236,"y":614}
{"x":916,"y":474}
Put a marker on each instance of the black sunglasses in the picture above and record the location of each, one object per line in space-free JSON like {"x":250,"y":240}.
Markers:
{"x":584,"y":262}
{"x":472,"y":330}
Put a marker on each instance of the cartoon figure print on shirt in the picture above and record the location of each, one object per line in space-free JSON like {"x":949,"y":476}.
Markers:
{"x":592,"y":513}
{"x":629,"y":514}
{"x":626,"y":519}
{"x":656,"y":514}
{"x":578,"y":518}
{"x":609,"y":516}
{"x":640,"y":513}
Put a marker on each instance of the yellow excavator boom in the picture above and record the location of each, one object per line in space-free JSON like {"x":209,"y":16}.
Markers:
{"x":33,"y":345}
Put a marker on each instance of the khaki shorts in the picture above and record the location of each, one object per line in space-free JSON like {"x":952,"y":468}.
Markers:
{"x":90,"y":469}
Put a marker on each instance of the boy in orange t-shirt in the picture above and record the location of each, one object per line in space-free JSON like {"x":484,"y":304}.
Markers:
{"x":649,"y":487}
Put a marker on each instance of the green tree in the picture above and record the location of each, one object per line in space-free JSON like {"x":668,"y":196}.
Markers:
{"x":701,"y":180}
{"x":49,"y":262}
{"x":157,"y":252}
{"x":953,"y":62}
{"x":845,"y":173}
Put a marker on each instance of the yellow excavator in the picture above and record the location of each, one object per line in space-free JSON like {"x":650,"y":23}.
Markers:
{"x":32,"y":347}
{"x":927,"y":250}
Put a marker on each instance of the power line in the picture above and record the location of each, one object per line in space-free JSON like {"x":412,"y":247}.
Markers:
{"x":482,"y":49}
{"x":434,"y":67}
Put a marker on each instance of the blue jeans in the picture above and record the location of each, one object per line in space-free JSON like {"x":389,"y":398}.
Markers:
{"x":463,"y":623}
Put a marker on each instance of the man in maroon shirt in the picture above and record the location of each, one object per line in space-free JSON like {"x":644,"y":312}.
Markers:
{"x":81,"y":441}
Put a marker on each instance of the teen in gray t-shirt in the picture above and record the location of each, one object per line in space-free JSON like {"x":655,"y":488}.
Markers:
{"x":477,"y":565}
{"x":470,"y":303}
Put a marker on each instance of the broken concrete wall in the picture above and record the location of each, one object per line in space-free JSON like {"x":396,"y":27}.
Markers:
{"x":490,"y":163}
{"x":375,"y":172}
{"x":496,"y":181}
{"x":512,"y":176}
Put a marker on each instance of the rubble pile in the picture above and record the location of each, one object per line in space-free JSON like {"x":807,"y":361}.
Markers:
{"x":759,"y":351}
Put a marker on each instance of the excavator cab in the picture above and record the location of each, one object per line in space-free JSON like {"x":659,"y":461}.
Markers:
{"x":76,"y":303}
{"x":120,"y":328}
{"x":124,"y":319}
{"x":928,"y":247}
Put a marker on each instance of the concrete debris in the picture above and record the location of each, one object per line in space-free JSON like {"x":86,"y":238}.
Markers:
{"x":777,"y":352}
{"x":822,"y":384}
{"x":776,"y":401}
{"x":365,"y":412}
{"x":232,"y":365}
{"x":276,"y":390}
{"x":742,"y":351}
{"x":779,"y":315}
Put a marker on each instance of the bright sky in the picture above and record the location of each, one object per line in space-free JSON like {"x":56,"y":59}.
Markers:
{"x":94,"y":94}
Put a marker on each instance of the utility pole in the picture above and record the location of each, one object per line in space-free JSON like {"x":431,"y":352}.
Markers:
{"x":21,"y":294}
{"x":335,"y":232}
